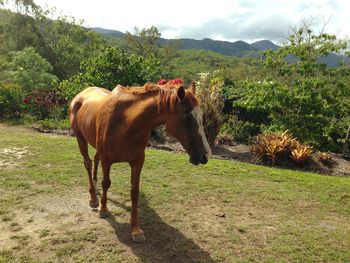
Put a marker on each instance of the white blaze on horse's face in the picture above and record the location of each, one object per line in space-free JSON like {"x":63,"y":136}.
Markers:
{"x":198,"y":116}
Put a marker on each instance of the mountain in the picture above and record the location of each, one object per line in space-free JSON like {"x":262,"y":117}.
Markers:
{"x":264,"y":45}
{"x":108,"y":32}
{"x":238,"y":48}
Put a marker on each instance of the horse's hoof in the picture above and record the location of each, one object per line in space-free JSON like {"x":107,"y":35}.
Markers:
{"x":138,"y":238}
{"x":103,"y":213}
{"x":93,"y":203}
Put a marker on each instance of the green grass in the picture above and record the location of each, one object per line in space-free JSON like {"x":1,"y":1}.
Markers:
{"x":225,"y":211}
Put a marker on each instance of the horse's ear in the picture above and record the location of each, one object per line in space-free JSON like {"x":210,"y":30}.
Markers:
{"x":193,"y":88}
{"x":180,"y":93}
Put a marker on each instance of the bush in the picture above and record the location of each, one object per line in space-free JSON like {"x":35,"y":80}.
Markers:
{"x":30,"y":71}
{"x":209,"y":92}
{"x":240,"y":131}
{"x":11,"y":105}
{"x":310,"y":109}
{"x":114,"y":66}
{"x":300,"y":94}
{"x":279,"y":146}
{"x":44,"y":105}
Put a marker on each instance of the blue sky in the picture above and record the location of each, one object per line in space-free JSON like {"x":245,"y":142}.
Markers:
{"x":229,"y":20}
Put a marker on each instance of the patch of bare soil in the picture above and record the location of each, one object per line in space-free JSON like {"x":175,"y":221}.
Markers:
{"x":12,"y":156}
{"x":63,"y":226}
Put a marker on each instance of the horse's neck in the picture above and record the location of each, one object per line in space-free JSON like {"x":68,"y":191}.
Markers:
{"x":150,"y":115}
{"x":157,"y":116}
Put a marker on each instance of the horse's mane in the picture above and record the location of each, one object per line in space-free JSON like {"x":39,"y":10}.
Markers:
{"x":167,"y":94}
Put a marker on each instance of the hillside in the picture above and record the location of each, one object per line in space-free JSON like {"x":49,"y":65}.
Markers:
{"x":264,"y":45}
{"x":237,"y":48}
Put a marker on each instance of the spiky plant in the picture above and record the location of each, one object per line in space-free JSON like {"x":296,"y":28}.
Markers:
{"x":300,"y":152}
{"x":271,"y":145}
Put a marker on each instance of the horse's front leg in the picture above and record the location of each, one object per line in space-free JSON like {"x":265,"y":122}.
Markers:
{"x":106,"y":183}
{"x":136,"y":166}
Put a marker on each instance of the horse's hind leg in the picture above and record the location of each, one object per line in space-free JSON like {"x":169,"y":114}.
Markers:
{"x":83,"y":146}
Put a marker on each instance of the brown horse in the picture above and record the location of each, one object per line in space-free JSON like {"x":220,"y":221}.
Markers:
{"x":118,"y":125}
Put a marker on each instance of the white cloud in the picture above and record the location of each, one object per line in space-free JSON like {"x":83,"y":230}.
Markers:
{"x":224,"y":19}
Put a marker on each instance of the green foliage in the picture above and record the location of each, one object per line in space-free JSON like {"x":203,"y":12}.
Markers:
{"x":309,"y":110}
{"x":114,"y":66}
{"x":144,"y":42}
{"x":63,"y":42}
{"x":67,"y":43}
{"x":54,"y":124}
{"x":304,"y":96}
{"x":11,"y":105}
{"x":240,"y":131}
{"x":30,"y":71}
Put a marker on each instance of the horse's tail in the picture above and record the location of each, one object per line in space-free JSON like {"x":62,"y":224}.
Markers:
{"x":73,"y":111}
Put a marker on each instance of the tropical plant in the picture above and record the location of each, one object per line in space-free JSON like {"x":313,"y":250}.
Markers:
{"x":273,"y":146}
{"x":210,"y":94}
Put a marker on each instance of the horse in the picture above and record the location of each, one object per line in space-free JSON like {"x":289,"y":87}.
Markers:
{"x":118,"y":125}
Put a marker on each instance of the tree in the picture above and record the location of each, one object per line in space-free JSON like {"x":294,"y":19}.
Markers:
{"x":144,"y":42}
{"x":63,"y":42}
{"x":112,"y":67}
{"x":303,"y":95}
{"x":66,"y":43}
{"x":30,"y":71}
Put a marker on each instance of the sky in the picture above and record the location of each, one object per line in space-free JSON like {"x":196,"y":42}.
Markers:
{"x":230,"y":20}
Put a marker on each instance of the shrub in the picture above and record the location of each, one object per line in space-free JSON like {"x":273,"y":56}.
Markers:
{"x":299,"y":152}
{"x":11,"y":105}
{"x":209,"y":92}
{"x":240,"y":131}
{"x":275,"y":146}
{"x":30,"y":71}
{"x":310,"y":109}
{"x":114,"y":66}
{"x":44,"y":105}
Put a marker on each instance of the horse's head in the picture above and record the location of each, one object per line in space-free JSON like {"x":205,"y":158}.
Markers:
{"x":185,"y":124}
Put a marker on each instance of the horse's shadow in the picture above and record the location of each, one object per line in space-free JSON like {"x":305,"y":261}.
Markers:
{"x":163,"y":242}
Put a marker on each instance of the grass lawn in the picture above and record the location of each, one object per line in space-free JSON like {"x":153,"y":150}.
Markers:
{"x":225,"y":211}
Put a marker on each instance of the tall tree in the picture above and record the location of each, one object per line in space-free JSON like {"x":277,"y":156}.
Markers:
{"x":30,"y":71}
{"x":64,"y":42}
{"x":144,"y":42}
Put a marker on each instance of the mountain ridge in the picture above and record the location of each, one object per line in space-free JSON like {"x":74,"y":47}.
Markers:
{"x":238,"y":48}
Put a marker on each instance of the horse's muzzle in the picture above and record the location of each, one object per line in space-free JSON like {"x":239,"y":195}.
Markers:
{"x":196,"y":161}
